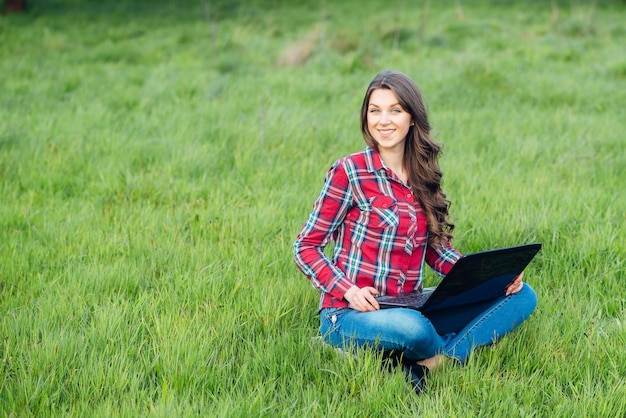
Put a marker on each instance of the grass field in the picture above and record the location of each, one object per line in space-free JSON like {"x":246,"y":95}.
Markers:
{"x":157,"y":160}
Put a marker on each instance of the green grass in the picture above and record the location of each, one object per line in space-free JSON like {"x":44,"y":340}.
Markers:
{"x":156,"y":164}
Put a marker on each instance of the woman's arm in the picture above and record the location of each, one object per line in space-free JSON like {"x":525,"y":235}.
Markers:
{"x":329,"y":211}
{"x":442,"y":257}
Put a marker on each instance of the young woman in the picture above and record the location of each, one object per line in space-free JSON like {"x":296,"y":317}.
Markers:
{"x":386,"y":213}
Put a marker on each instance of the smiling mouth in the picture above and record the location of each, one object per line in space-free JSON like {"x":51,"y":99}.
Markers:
{"x":386,"y":132}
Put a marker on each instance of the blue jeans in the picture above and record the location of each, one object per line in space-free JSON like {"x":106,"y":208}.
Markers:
{"x":451,"y":332}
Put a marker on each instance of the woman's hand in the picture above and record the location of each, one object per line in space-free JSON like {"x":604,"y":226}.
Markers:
{"x":516,"y":285}
{"x":362,"y":299}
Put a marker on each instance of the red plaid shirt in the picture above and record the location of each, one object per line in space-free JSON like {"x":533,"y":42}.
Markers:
{"x":379,"y":231}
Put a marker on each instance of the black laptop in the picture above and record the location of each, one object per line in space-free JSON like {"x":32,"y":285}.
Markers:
{"x":475,"y":278}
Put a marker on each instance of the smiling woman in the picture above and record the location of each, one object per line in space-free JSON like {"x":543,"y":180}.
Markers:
{"x":377,"y":207}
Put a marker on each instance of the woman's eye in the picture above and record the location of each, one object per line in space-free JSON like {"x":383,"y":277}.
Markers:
{"x":396,"y":111}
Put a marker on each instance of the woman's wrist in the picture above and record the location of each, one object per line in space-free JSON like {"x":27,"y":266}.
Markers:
{"x":350,"y":293}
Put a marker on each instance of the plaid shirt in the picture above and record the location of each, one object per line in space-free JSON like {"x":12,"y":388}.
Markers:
{"x":379,"y":231}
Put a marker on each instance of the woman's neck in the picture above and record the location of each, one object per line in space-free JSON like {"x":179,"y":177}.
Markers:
{"x":394,"y":162}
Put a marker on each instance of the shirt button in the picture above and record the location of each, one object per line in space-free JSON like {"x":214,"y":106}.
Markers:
{"x":408,"y":196}
{"x":384,"y":205}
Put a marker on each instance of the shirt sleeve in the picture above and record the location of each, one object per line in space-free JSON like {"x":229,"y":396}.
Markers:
{"x":442,"y":257}
{"x":329,"y":211}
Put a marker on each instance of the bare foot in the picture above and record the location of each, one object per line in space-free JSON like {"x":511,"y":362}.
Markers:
{"x":433,"y":363}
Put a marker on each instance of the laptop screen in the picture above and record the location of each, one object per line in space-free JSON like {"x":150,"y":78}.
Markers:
{"x":482,"y":276}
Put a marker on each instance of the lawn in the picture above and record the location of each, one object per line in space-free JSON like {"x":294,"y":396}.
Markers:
{"x":158,"y":158}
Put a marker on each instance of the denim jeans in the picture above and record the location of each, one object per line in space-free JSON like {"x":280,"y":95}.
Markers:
{"x":451,"y":332}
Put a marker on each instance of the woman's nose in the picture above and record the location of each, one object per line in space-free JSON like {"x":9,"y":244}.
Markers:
{"x":384,"y":118}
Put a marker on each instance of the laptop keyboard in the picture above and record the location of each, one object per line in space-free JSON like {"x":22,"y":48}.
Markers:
{"x":412,"y":299}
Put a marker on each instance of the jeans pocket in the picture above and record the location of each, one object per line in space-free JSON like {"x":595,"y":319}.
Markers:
{"x":330,"y":321}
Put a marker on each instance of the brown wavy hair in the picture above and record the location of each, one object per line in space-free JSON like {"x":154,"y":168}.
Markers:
{"x":421,"y":153}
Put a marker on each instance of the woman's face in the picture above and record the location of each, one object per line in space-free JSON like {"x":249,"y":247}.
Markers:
{"x":388,"y":123}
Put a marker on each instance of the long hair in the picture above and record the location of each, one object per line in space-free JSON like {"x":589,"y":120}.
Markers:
{"x":421,"y":153}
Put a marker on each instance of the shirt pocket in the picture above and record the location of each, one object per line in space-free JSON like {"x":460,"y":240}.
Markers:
{"x":384,"y":212}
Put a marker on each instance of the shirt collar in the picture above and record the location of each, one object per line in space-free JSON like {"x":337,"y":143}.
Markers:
{"x":375,"y":164}
{"x":373,"y":160}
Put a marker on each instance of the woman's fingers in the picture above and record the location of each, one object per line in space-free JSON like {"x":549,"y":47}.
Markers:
{"x":371,"y":301}
{"x":362,"y":299}
{"x":516,"y":285}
